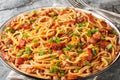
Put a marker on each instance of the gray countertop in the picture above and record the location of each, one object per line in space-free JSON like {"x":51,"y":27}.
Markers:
{"x":9,"y":8}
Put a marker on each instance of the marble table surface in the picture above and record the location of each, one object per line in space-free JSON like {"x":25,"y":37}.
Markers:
{"x":9,"y":8}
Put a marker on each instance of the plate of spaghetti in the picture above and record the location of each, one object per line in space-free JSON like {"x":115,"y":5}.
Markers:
{"x":59,"y":43}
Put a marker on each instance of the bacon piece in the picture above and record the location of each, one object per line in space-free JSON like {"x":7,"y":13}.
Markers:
{"x":109,"y":28}
{"x":95,"y":38}
{"x":63,"y":12}
{"x":111,"y":35}
{"x":91,"y":17}
{"x":80,"y":19}
{"x":26,"y":26}
{"x":59,"y":52}
{"x":102,"y":30}
{"x":85,"y":45}
{"x":21,"y":44}
{"x":71,"y":77}
{"x":103,"y":44}
{"x":103,"y":23}
{"x":19,"y":61}
{"x":5,"y":56}
{"x":89,"y":58}
{"x":56,"y":46}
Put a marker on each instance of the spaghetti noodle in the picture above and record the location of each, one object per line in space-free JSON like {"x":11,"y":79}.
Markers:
{"x":59,"y":44}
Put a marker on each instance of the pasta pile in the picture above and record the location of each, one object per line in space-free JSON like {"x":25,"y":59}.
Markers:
{"x":59,"y":44}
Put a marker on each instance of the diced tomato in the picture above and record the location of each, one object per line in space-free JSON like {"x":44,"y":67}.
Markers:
{"x":5,"y":56}
{"x":90,"y":54}
{"x":22,"y":43}
{"x":26,"y":26}
{"x":19,"y":61}
{"x":71,"y":77}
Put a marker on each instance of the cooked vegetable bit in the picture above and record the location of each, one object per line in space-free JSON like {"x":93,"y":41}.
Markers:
{"x":49,"y":51}
{"x":28,"y":50}
{"x":77,"y":69}
{"x":57,"y":63}
{"x":31,"y":21}
{"x":80,"y":44}
{"x":53,"y":57}
{"x":8,"y":29}
{"x":55,"y":39}
{"x":55,"y":17}
{"x":94,"y":51}
{"x":102,"y":38}
{"x":92,"y":31}
{"x":34,"y":40}
{"x":108,"y":60}
{"x":68,"y":47}
{"x":25,"y":35}
{"x":67,"y":57}
{"x":53,"y":69}
{"x":41,"y":52}
{"x":62,"y":74}
{"x":80,"y":50}
{"x":88,"y":63}
{"x":109,"y":46}
{"x":112,"y":32}
{"x":82,"y":24}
